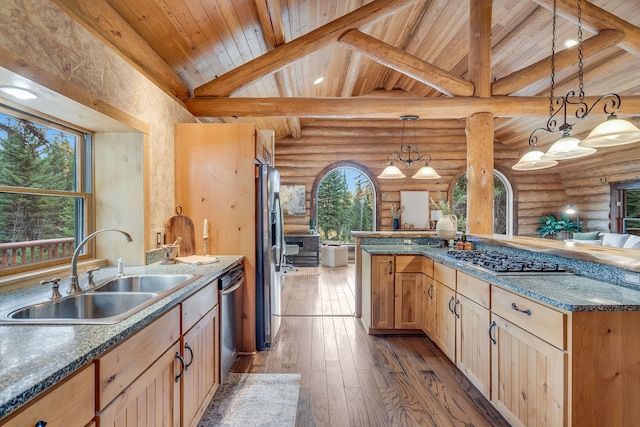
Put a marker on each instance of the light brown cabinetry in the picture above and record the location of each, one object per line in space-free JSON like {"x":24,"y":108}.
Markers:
{"x":215,"y":179}
{"x":153,"y":399}
{"x":473,"y":349}
{"x":70,"y":403}
{"x":201,"y":353}
{"x":528,"y":384}
{"x":392,"y":290}
{"x":444,"y":279}
{"x":166,"y":374}
{"x":138,"y":380}
{"x":265,"y":146}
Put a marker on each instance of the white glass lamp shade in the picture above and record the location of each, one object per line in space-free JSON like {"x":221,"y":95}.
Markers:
{"x":567,"y":148}
{"x":426,"y":172}
{"x":532,"y":161}
{"x":391,"y":172}
{"x":612,"y":132}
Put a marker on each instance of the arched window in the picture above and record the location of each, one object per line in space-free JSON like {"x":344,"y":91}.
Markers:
{"x":502,"y":203}
{"x":343,"y":200}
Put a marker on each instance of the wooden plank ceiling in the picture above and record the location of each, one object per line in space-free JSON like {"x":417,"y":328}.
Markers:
{"x":257,"y":60}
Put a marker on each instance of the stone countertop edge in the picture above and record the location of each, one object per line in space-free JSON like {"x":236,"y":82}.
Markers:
{"x":566,"y":292}
{"x":36,"y":357}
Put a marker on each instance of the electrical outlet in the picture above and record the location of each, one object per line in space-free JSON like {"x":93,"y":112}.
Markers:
{"x":407,"y":241}
{"x":159,"y":238}
{"x":631,"y":278}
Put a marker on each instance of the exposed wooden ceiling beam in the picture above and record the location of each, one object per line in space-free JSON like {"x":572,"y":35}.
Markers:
{"x":102,"y":20}
{"x":384,"y":107}
{"x":271,"y":22}
{"x":407,"y":64}
{"x":283,"y":55}
{"x":480,"y":46}
{"x":564,"y":59}
{"x":596,"y":19}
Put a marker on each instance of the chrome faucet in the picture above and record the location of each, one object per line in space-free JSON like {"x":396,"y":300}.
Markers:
{"x":74,"y":287}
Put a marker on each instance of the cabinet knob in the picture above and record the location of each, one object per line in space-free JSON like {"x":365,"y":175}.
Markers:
{"x":520,"y":310}
{"x":390,"y":267}
{"x":181,"y":366}
{"x":491,"y":327}
{"x":188,"y":347}
{"x":41,"y":424}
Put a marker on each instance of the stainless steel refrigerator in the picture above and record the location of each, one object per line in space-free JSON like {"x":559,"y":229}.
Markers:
{"x":269,"y":256}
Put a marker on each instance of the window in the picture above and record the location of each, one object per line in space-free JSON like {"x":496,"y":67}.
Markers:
{"x":625,"y":208}
{"x":345,"y":200}
{"x":502,"y":203}
{"x":44,"y":191}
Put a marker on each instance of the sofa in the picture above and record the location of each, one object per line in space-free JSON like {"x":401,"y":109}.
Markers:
{"x":598,"y":238}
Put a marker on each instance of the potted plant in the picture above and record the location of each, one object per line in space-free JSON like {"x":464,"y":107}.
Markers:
{"x":562,"y":228}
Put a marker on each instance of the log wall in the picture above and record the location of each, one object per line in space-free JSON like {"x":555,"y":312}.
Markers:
{"x":585,"y":183}
{"x":369,"y":142}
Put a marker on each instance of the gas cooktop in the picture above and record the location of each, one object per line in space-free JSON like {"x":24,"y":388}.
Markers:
{"x":501,"y":263}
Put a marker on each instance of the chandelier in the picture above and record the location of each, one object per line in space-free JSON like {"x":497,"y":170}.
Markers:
{"x":612,"y":132}
{"x":408,"y":154}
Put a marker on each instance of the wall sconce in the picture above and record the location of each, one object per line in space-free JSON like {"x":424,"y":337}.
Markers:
{"x":408,"y":154}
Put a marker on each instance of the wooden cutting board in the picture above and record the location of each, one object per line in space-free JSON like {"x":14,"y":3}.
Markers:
{"x":181,"y":226}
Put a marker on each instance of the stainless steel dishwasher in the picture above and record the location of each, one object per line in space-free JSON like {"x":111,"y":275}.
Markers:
{"x":230,"y":293}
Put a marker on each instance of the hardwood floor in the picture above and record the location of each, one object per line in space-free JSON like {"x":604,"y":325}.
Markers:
{"x":349,"y":378}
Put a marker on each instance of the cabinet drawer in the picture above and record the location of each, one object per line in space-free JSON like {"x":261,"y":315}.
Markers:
{"x":408,"y":263}
{"x":427,"y":266}
{"x":198,"y":304}
{"x":540,"y":320}
{"x":117,"y":368}
{"x":475,"y":289}
{"x":69,"y":404}
{"x":445,"y":275}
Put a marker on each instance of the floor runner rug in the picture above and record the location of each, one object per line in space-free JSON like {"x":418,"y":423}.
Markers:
{"x":302,"y":271}
{"x":254,"y":400}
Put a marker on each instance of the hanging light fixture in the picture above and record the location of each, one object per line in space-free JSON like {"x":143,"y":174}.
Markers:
{"x":612,"y":132}
{"x":409,"y":154}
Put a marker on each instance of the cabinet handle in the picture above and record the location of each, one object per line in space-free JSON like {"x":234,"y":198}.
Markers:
{"x":41,"y":424}
{"x":429,"y":291}
{"x":492,"y":326}
{"x":450,"y":301}
{"x":390,"y":267}
{"x":181,"y":366}
{"x":516,"y":308}
{"x":188,"y":347}
{"x":454,"y":309}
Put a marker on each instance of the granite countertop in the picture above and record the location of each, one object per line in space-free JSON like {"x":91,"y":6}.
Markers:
{"x":570,"y":292}
{"x":35,"y":357}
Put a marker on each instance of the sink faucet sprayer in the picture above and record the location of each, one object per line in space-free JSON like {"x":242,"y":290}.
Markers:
{"x":74,"y":287}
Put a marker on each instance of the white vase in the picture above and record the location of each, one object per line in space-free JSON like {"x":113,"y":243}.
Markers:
{"x":447,"y":226}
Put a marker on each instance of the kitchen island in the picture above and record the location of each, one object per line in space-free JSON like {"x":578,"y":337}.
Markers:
{"x":556,"y":349}
{"x":37,"y":357}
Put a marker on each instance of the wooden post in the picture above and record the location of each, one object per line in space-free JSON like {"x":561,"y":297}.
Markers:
{"x":480,"y":173}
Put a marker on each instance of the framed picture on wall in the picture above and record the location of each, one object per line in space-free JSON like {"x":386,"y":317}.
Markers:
{"x":292,"y":198}
{"x":415,"y":210}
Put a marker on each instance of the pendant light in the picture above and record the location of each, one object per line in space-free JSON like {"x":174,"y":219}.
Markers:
{"x":612,"y":132}
{"x":408,"y":154}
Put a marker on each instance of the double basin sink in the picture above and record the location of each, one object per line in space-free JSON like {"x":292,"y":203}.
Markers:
{"x":108,"y":302}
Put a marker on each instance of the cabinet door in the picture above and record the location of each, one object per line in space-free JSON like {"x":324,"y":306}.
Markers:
{"x":528,"y":376}
{"x":473,"y":347}
{"x":201,"y":348}
{"x":445,"y":336}
{"x":70,"y":403}
{"x":382,"y":292}
{"x":429,"y":308}
{"x":408,"y":300}
{"x":153,"y":400}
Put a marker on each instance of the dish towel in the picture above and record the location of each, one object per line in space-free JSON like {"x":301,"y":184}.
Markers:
{"x":197,"y":259}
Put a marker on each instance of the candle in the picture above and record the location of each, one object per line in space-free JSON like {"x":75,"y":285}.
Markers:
{"x":206,"y":229}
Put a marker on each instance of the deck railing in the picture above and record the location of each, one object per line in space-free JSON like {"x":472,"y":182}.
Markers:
{"x":13,"y":254}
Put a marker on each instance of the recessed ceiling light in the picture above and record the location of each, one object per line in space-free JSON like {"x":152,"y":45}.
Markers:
{"x":570,"y":43}
{"x":18,"y":92}
{"x":318,"y":80}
